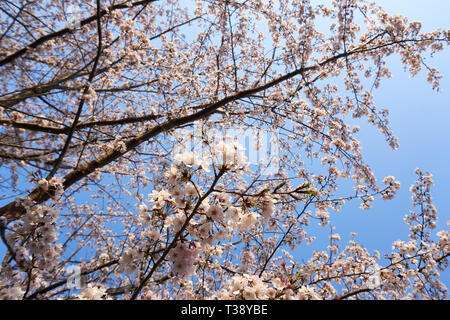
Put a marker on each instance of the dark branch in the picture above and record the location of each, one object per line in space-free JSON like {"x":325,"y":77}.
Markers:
{"x":125,"y":5}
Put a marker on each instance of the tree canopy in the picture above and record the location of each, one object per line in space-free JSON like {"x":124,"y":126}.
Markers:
{"x":123,"y":126}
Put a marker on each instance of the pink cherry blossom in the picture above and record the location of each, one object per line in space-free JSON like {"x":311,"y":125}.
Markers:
{"x":117,"y":153}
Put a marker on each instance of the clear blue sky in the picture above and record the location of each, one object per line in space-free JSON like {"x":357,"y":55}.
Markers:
{"x":420,"y":119}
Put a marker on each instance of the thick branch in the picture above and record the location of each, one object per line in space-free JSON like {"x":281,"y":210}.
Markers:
{"x":14,"y":212}
{"x":86,"y":89}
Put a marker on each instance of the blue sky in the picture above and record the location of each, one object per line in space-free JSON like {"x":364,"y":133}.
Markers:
{"x":420,"y":119}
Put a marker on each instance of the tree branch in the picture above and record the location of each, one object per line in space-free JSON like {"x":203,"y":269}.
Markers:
{"x":352,"y":293}
{"x":63,"y":282}
{"x":85,"y":91}
{"x":124,"y":5}
{"x":38,"y":195}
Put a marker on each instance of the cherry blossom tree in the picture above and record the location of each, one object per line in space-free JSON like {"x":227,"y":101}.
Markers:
{"x":97,"y":97}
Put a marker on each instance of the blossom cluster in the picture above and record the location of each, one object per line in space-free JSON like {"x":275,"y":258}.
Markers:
{"x":89,"y":174}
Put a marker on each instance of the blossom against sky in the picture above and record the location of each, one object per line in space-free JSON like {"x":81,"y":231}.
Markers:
{"x":419,"y":117}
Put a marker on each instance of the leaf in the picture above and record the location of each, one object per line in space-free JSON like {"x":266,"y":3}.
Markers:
{"x":303,"y":186}
{"x":279,"y":186}
{"x":311,"y":192}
